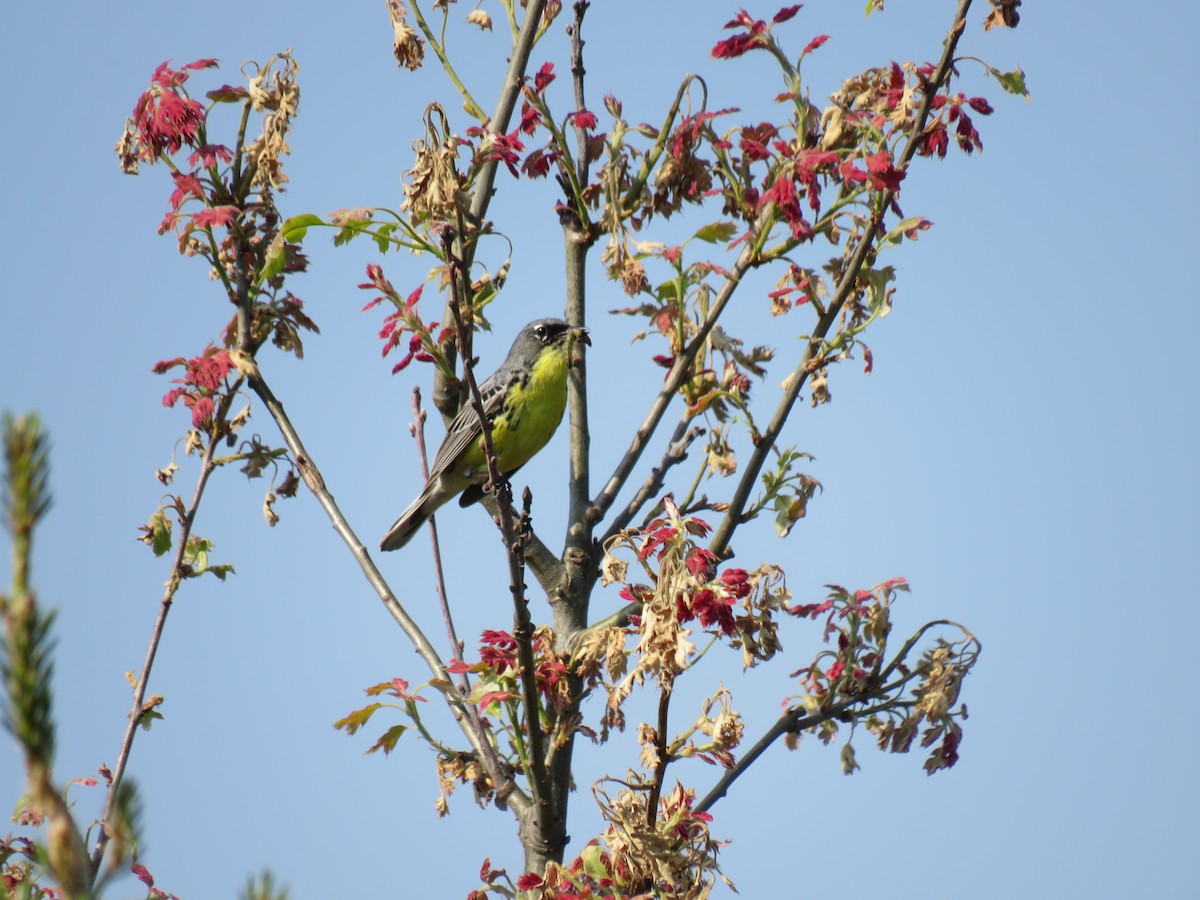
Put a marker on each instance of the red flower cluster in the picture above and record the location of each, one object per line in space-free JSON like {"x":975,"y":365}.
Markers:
{"x":403,"y":319}
{"x":583,"y":119}
{"x":857,"y":653}
{"x":530,"y":118}
{"x":498,"y":655}
{"x":537,"y":164}
{"x":753,"y":140}
{"x":505,"y":148}
{"x":755,"y":37}
{"x":796,"y":180}
{"x":165,"y":117}
{"x":713,"y":604}
{"x":544,"y":76}
{"x":203,"y":379}
{"x":954,"y":112}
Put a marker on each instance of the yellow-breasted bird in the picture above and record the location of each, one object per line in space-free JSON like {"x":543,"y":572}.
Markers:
{"x":524,"y":400}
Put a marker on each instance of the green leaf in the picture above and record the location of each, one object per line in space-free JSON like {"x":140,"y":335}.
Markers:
{"x":222,"y":571}
{"x":717,"y":231}
{"x":160,"y":533}
{"x":195,"y":557}
{"x":387,"y":741}
{"x":357,"y":719}
{"x":789,"y":510}
{"x":295,"y":228}
{"x":484,"y":295}
{"x":593,"y":862}
{"x":382,"y":237}
{"x":196,"y":554}
{"x":1013,"y":82}
{"x":667,"y":292}
{"x":879,"y":295}
{"x":275,"y":259}
{"x":147,"y":718}
{"x":351,"y":226}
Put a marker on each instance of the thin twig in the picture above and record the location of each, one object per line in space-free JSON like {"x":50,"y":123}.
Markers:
{"x":539,"y":782}
{"x":160,"y":623}
{"x":676,"y":452}
{"x":633,"y":196}
{"x":795,"y":720}
{"x":473,"y":109}
{"x":506,"y":789}
{"x":680,"y":371}
{"x":505,"y":104}
{"x":456,"y":646}
{"x":485,"y":180}
{"x":577,"y":75}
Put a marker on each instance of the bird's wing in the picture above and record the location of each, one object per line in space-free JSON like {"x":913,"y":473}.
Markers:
{"x":464,"y":428}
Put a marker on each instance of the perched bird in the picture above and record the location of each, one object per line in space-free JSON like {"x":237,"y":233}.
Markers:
{"x":524,"y":400}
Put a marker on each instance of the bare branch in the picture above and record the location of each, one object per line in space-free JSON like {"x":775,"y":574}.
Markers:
{"x":542,"y":803}
{"x":676,"y":452}
{"x":661,"y":751}
{"x":417,"y":428}
{"x":506,"y":788}
{"x":174,"y":580}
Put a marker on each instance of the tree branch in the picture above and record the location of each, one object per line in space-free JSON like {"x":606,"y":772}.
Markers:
{"x":506,"y":788}
{"x":676,"y":452}
{"x":505,"y":104}
{"x":796,"y":720}
{"x":660,"y":748}
{"x":542,"y":809}
{"x":845,"y":287}
{"x":485,"y":179}
{"x":570,"y":610}
{"x":675,"y":378}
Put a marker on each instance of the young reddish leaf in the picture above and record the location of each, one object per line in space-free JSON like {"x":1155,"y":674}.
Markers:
{"x":583,"y":119}
{"x":216,"y":216}
{"x":491,"y":697}
{"x":814,"y":44}
{"x":544,"y":76}
{"x":143,"y":874}
{"x":228,"y":94}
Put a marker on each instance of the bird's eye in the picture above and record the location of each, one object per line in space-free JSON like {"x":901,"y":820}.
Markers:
{"x":540,"y":331}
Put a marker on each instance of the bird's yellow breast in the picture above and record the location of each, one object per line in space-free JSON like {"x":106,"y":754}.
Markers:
{"x":531,"y":413}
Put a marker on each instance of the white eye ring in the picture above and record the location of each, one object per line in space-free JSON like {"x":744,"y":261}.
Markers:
{"x":540,"y":331}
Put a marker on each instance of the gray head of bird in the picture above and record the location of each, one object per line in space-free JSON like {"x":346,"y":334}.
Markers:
{"x":546,"y":332}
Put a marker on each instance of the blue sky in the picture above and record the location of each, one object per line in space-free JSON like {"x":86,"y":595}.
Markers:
{"x":1023,"y":454}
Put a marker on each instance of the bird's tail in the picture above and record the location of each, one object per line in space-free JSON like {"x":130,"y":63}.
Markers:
{"x":410,"y":522}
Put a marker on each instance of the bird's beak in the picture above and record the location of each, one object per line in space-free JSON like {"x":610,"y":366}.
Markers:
{"x":580,"y":334}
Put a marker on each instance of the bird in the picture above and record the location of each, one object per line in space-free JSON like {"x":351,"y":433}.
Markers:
{"x":524,"y":401}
